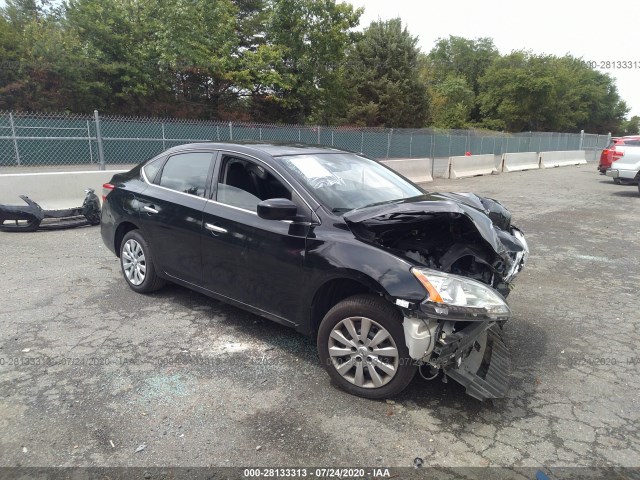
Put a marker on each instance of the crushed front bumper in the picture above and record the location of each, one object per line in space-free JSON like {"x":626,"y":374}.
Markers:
{"x":31,"y":217}
{"x":474,"y":356}
{"x":486,"y":369}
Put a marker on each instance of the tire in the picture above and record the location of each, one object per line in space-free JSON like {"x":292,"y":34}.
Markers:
{"x":135,"y":256}
{"x":616,"y":181}
{"x":362,"y":375}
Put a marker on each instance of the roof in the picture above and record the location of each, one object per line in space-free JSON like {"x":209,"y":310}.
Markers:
{"x":274,"y":149}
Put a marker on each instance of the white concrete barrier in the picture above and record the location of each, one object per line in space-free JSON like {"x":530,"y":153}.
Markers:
{"x":562,"y":159}
{"x":472,"y":166}
{"x":52,"y":190}
{"x":516,"y":162}
{"x":418,"y":170}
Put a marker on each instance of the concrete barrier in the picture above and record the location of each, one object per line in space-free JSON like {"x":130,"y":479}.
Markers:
{"x":472,"y":166}
{"x":418,"y":170}
{"x":562,"y":159}
{"x":516,"y":162}
{"x":52,"y":190}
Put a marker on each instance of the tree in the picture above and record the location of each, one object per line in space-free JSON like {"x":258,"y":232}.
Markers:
{"x":631,"y":126}
{"x":383,"y":76}
{"x":466,"y":61}
{"x":452,"y":101}
{"x":311,"y":37}
{"x":523,"y":91}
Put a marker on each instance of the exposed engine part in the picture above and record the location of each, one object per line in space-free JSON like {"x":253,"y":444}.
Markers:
{"x":434,"y":372}
{"x":31,"y":217}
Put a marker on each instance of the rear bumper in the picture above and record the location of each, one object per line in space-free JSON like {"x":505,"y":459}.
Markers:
{"x":622,"y":174}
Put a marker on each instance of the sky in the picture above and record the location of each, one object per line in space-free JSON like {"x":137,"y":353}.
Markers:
{"x":594,"y":31}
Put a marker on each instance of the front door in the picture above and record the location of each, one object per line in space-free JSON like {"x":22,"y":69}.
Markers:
{"x":251,"y":260}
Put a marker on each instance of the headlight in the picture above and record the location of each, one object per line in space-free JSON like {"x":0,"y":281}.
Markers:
{"x":460,"y":298}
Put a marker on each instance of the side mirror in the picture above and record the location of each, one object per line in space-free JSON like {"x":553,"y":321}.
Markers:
{"x":277,"y":209}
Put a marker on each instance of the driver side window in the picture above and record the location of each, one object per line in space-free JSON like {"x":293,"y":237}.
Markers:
{"x":244,"y":183}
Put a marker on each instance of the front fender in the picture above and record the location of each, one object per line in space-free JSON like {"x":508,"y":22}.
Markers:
{"x":347,"y":257}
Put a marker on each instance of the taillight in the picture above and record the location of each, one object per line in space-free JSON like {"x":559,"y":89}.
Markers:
{"x":617,"y":155}
{"x":106,"y":188}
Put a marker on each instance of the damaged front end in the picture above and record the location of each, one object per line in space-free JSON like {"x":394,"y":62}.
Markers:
{"x":31,"y":217}
{"x":466,"y":255}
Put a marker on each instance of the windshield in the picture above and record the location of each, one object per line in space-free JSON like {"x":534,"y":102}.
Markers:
{"x":344,"y":181}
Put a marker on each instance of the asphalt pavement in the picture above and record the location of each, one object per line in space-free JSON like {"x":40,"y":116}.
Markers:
{"x":93,"y":374}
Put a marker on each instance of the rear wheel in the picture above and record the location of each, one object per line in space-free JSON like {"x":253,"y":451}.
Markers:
{"x":616,"y":181}
{"x":361,"y":345}
{"x":137,"y":264}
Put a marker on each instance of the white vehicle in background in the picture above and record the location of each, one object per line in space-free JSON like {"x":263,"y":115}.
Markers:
{"x":627,"y":168}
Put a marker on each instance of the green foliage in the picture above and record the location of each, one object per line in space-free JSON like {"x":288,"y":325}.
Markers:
{"x":465,"y":61}
{"x":547,"y":93}
{"x":312,"y":37}
{"x":383,"y":75}
{"x":631,"y":126}
{"x":285,"y":61}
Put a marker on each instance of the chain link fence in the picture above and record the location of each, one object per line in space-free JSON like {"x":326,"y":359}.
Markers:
{"x":39,"y":139}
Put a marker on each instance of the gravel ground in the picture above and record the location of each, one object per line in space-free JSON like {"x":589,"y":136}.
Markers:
{"x":91,"y":372}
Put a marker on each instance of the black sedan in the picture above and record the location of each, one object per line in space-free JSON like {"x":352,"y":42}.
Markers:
{"x":390,"y":279}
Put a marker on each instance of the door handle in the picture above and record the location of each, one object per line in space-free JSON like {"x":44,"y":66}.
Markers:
{"x":214,"y":228}
{"x":149,"y":209}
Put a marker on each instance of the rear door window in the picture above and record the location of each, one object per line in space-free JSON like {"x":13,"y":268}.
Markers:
{"x":151,"y":169}
{"x":187,"y":173}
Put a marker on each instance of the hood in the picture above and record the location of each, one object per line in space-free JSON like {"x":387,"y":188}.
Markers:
{"x":487,"y":215}
{"x":420,"y":224}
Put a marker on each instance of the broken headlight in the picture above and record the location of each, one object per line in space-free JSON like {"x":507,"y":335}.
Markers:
{"x":459,"y":298}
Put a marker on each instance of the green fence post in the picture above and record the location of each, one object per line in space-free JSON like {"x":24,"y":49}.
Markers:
{"x":96,"y":118}
{"x":89,"y":138}
{"x":230,"y":131}
{"x":410,"y":145}
{"x":15,"y":140}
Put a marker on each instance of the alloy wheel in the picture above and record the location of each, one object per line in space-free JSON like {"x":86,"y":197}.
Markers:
{"x":363,"y":352}
{"x":133,"y":262}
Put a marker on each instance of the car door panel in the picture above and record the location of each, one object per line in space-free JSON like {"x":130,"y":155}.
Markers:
{"x":172,"y":222}
{"x":224,"y":250}
{"x":254,"y":261}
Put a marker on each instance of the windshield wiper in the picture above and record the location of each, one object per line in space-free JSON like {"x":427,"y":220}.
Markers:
{"x":341,"y":209}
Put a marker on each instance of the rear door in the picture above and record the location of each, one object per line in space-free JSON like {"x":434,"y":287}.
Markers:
{"x":171,"y":213}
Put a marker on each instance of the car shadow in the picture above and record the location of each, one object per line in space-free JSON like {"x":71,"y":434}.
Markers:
{"x":270,"y":332}
{"x":627,"y":193}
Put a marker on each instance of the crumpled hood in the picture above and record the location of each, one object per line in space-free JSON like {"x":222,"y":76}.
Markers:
{"x":485,"y":213}
{"x":490,"y":218}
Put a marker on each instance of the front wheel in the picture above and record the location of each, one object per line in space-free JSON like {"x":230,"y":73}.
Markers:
{"x":361,"y":345}
{"x":137,"y":264}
